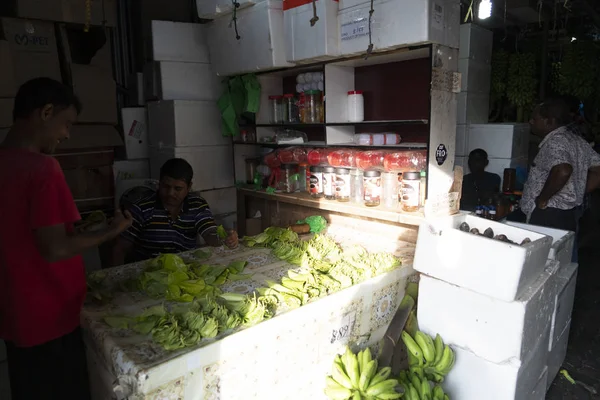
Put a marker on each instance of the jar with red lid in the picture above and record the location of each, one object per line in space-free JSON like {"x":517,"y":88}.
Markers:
{"x":276,"y":109}
{"x":356,"y":106}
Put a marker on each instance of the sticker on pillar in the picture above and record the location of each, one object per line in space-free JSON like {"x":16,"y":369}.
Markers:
{"x":441,"y":154}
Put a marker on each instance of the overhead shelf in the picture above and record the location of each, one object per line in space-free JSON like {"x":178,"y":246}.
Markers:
{"x":363,"y":123}
{"x":357,"y":210}
{"x":408,"y":146}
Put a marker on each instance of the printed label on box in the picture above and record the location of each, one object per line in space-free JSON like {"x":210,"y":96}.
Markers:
{"x":355,"y":29}
{"x":342,"y":327}
{"x":136,"y":130}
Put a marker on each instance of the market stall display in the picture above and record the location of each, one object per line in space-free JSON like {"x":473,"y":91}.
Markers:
{"x":144,"y":368}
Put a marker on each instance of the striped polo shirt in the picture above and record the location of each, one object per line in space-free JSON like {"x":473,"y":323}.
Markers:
{"x":154,"y":232}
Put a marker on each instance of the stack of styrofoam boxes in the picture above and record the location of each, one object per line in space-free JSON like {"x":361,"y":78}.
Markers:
{"x":397,"y":23}
{"x":565,"y":281}
{"x":259,"y":44}
{"x":492,"y":302}
{"x":474,"y":63}
{"x":185,"y":121}
{"x":507,"y":145}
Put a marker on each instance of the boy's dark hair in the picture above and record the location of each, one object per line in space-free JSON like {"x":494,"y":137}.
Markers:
{"x":557,"y":109}
{"x":177,"y":168}
{"x":38,"y":92}
{"x":479,"y":154}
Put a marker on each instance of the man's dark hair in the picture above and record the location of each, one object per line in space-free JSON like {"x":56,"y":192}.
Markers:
{"x":38,"y":92}
{"x":479,"y":154}
{"x":177,"y":168}
{"x":556,"y":109}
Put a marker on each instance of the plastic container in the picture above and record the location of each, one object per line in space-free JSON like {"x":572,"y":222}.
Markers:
{"x":290,"y":107}
{"x":342,"y":184}
{"x":329,"y":183}
{"x":316,"y":181}
{"x":356,"y":186}
{"x":342,"y":158}
{"x":363,"y":139}
{"x":313,"y":105}
{"x":318,"y":156}
{"x":372,"y":188}
{"x":411,"y":191}
{"x":403,"y":161}
{"x":366,"y":160}
{"x":389,"y":181}
{"x":289,"y":178}
{"x":303,"y":177}
{"x":276,"y":109}
{"x":356,"y":106}
{"x":272,"y":160}
{"x":292,"y":155}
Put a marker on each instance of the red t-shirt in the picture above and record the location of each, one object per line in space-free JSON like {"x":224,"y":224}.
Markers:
{"x":39,"y":301}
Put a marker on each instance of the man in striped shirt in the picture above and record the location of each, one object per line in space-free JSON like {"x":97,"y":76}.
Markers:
{"x":170,"y":220}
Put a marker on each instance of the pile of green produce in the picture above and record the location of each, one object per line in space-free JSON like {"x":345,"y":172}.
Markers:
{"x":168,"y":276}
{"x":187,"y":325}
{"x":521,"y":88}
{"x":270,"y":236}
{"x":417,"y":388}
{"x":577,"y":73}
{"x":428,"y":358}
{"x":356,"y":377}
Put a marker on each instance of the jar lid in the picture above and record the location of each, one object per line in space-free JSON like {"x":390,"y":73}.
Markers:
{"x":355,"y":92}
{"x":412,"y":176}
{"x":342,"y":171}
{"x":275,"y":97}
{"x":316,"y":169}
{"x":288,"y":95}
{"x":372,"y":173}
{"x":328,"y":169}
{"x":287,"y":166}
{"x":313,"y":92}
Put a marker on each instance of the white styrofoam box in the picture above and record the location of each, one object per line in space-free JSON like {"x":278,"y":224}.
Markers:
{"x":474,"y":378}
{"x":472,"y":108}
{"x":475,"y":43}
{"x":566,"y":282}
{"x":539,"y":391}
{"x":221,"y":201}
{"x":556,"y":356}
{"x":261,"y":45}
{"x":484,"y":265}
{"x":131,"y":169}
{"x":177,"y":123}
{"x":562,"y":241}
{"x":398,"y":23}
{"x":495,"y":330}
{"x":213,"y":165}
{"x":461,"y":140}
{"x":504,"y":140}
{"x":304,"y":43}
{"x":172,"y":80}
{"x":135,"y":132}
{"x":475,"y":76}
{"x":210,"y":9}
{"x":179,"y":41}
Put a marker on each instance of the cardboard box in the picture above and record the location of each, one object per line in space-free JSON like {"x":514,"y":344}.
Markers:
{"x":103,"y":12}
{"x":27,"y":50}
{"x":135,"y":132}
{"x":6,"y":109}
{"x":87,"y":60}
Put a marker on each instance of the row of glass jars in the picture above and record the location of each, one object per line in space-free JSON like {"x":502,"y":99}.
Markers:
{"x":307,"y":108}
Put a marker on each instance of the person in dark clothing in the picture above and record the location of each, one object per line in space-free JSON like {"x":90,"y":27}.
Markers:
{"x":479,"y":184}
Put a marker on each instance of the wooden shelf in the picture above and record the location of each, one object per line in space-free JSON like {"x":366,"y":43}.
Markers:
{"x":304,"y":199}
{"x":364,"y":123}
{"x":406,"y":146}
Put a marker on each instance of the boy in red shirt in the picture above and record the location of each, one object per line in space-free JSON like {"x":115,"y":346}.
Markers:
{"x":42,"y":277}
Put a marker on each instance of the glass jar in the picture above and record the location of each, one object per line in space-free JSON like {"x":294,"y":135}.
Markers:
{"x":290,"y":108}
{"x":276,"y":109}
{"x":356,"y":186}
{"x":390,"y":189}
{"x":316,"y":181}
{"x":329,"y":183}
{"x":303,"y":177}
{"x":342,"y":184}
{"x":356,"y":106}
{"x":288,"y":178}
{"x":411,"y":188}
{"x":313,"y":104}
{"x":372,"y":188}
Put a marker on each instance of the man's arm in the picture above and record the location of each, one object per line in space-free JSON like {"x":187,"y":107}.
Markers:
{"x":55,"y":244}
{"x":557,"y":178}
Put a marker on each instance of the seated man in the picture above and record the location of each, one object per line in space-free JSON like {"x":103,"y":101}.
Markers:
{"x":478,"y":185}
{"x":170,"y":220}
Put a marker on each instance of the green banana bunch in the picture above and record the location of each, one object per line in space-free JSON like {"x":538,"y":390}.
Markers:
{"x":499,"y":74}
{"x":355,"y":376}
{"x":428,"y":357}
{"x":418,"y":388}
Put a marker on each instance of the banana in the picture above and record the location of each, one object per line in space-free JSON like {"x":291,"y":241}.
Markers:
{"x":427,"y":347}
{"x":351,"y":367}
{"x":381,"y":376}
{"x":383,"y":387}
{"x":338,"y":394}
{"x":446,"y":362}
{"x":367,"y":375}
{"x":338,"y":360}
{"x":356,"y":396}
{"x":332,"y":383}
{"x":413,"y":392}
{"x":390,"y":395}
{"x":416,"y":382}
{"x":418,"y":371}
{"x":412,"y":347}
{"x":403,"y":377}
{"x":340,"y":377}
{"x":361,"y":365}
{"x":446,"y":397}
{"x":438,"y":344}
{"x":425,"y":389}
{"x":414,"y":361}
{"x":438,"y":393}
{"x":367,"y":356}
{"x":407,"y":395}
